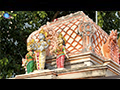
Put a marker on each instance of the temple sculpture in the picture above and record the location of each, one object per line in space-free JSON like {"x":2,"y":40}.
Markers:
{"x":75,"y":44}
{"x":29,"y":61}
{"x":41,"y":52}
{"x":110,"y":48}
{"x":60,"y":54}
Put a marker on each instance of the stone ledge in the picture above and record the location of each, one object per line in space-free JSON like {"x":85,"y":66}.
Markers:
{"x":81,"y":68}
{"x":35,"y":74}
{"x":82,"y":72}
{"x":78,"y":60}
{"x":61,"y":73}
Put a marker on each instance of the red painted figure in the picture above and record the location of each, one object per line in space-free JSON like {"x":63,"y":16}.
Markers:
{"x":60,"y":52}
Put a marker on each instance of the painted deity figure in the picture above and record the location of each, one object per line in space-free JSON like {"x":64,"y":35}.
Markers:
{"x":52,"y":36}
{"x":60,"y":54}
{"x":29,"y":61}
{"x":57,"y":47}
{"x":40,"y":52}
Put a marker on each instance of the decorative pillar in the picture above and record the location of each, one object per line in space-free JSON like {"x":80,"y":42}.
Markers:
{"x":86,"y":31}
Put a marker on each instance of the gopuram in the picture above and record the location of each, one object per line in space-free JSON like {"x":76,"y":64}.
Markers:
{"x":72,"y":47}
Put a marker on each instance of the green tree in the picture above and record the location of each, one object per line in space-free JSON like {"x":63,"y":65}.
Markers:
{"x":109,"y":20}
{"x":14,"y":33}
{"x":13,"y":36}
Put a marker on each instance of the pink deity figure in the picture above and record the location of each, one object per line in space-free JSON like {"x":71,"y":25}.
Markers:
{"x":56,"y":46}
{"x":52,"y":36}
{"x":60,"y":53}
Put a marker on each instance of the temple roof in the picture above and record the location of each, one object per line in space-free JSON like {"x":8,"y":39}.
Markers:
{"x":72,"y":26}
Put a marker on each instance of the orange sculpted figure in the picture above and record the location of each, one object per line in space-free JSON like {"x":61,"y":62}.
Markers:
{"x":110,"y":47}
{"x":52,"y":36}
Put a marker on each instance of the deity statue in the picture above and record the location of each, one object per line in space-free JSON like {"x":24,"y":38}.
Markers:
{"x":52,"y":36}
{"x":40,"y":53}
{"x":57,"y":46}
{"x":29,"y":61}
{"x":60,"y":53}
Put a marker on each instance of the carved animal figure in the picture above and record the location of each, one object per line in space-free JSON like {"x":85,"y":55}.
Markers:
{"x":110,"y":44}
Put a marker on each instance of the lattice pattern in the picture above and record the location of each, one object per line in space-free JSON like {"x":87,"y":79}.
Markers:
{"x":34,"y":36}
{"x":69,"y":31}
{"x":115,"y":53}
{"x":98,"y":39}
{"x":68,"y":26}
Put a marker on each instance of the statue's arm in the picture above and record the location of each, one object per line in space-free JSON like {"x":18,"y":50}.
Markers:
{"x":65,"y":52}
{"x":25,"y":60}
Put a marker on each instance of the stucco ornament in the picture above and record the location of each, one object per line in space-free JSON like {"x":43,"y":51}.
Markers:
{"x":110,"y":47}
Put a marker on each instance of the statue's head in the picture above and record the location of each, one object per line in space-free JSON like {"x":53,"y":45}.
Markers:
{"x":113,"y":35}
{"x":41,"y":36}
{"x":60,"y":35}
{"x":29,"y":48}
{"x":49,"y":28}
{"x":60,"y":40}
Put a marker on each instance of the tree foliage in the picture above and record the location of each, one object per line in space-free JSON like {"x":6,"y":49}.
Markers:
{"x":14,"y":32}
{"x":13,"y":35}
{"x":109,"y":20}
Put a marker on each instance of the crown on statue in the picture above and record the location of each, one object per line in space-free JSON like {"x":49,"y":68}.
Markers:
{"x":61,"y":36}
{"x":30,"y":42}
{"x":43,"y":32}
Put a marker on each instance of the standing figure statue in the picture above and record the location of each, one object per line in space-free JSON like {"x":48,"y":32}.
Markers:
{"x":60,"y":54}
{"x":52,"y":36}
{"x":29,"y":61}
{"x":40,"y":52}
